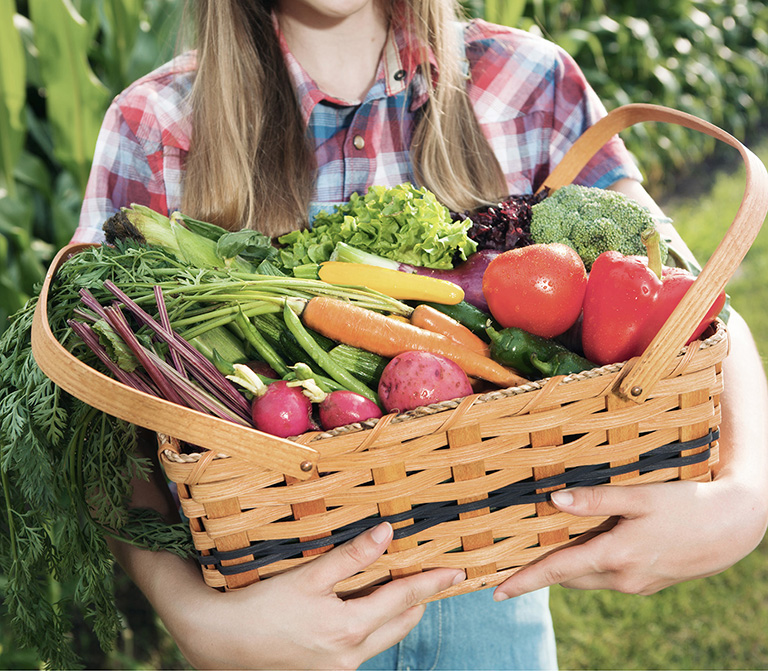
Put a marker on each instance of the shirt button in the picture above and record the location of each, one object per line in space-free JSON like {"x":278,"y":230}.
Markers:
{"x":359,"y":142}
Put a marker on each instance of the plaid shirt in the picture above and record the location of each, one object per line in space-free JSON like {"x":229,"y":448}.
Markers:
{"x":531,"y":99}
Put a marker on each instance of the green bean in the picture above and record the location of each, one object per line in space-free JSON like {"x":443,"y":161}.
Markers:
{"x":323,"y":359}
{"x":257,"y":341}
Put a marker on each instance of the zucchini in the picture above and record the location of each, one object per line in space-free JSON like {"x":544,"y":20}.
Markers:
{"x":271,"y":326}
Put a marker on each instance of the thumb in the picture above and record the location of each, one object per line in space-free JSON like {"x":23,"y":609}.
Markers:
{"x":611,"y":500}
{"x":350,"y":558}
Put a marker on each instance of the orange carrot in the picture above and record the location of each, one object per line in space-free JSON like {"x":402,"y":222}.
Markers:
{"x":372,"y":331}
{"x":426,"y":317}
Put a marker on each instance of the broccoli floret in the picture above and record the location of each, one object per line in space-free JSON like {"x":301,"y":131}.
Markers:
{"x":592,"y":221}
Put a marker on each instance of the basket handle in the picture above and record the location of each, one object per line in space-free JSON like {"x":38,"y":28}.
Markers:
{"x":113,"y":397}
{"x":671,"y":338}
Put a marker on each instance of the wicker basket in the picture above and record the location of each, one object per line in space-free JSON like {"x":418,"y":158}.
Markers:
{"x":466,"y":483}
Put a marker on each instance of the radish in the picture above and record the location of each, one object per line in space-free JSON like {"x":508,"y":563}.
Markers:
{"x":417,"y":378}
{"x":343,"y":407}
{"x":264,"y":369}
{"x":282,"y":410}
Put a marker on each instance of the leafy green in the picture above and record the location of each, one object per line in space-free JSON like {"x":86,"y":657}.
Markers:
{"x":403,"y":223}
{"x":248,"y":244}
{"x":65,"y":467}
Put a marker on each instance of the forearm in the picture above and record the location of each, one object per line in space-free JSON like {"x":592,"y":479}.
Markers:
{"x":744,"y":426}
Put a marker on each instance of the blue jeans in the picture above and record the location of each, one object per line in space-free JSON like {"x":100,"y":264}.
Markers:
{"x":472,"y":631}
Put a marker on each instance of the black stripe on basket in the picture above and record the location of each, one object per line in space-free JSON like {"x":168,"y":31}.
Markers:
{"x":427,"y":515}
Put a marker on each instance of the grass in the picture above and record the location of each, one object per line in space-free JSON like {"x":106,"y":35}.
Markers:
{"x":719,"y":622}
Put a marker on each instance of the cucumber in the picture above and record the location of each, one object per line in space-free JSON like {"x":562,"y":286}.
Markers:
{"x":295,"y":353}
{"x":364,"y":365}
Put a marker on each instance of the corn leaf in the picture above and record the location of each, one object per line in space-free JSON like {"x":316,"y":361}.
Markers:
{"x":504,"y":12}
{"x":12,"y":94}
{"x":76,"y":99}
{"x":121,"y":28}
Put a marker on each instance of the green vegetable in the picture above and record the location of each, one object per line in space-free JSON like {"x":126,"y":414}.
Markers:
{"x":65,"y":477}
{"x":262,"y":347}
{"x":323,"y":359}
{"x":363,"y":364}
{"x":591,"y":221}
{"x":467,"y":314}
{"x":66,"y":468}
{"x":293,"y":351}
{"x":144,"y":225}
{"x":402,"y":223}
{"x":221,"y":342}
{"x":349,"y":254}
{"x":533,"y":356}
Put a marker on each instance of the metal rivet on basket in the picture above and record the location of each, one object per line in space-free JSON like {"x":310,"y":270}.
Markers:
{"x":306,"y":466}
{"x":636,"y":391}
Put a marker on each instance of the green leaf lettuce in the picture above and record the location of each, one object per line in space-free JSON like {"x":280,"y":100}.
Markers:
{"x":403,"y":223}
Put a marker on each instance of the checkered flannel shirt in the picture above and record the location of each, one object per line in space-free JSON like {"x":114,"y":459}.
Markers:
{"x":531,"y":99}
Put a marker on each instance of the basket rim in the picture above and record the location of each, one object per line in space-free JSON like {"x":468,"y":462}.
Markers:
{"x":193,"y":457}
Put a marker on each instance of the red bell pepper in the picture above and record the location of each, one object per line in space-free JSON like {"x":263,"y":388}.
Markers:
{"x":628,"y":299}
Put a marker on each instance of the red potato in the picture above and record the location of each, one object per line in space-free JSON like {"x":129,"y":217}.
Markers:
{"x":416,"y":378}
{"x":342,"y":407}
{"x":282,"y":411}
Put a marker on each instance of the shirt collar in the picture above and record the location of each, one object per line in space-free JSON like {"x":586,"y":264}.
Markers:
{"x":399,"y":68}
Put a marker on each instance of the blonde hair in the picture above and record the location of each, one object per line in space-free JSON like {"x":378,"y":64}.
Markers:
{"x":250,"y":164}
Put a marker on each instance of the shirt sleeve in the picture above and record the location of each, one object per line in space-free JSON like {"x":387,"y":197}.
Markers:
{"x":577,"y":107}
{"x":532,"y":102}
{"x":120,"y":175}
{"x":140,"y":150}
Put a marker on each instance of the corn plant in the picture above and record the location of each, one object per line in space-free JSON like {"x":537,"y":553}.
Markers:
{"x":61,"y":62}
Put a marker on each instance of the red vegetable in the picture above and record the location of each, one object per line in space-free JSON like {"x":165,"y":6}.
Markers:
{"x":538,"y":288}
{"x":627,"y":301}
{"x":282,"y":411}
{"x":413,"y":379}
{"x":343,"y":407}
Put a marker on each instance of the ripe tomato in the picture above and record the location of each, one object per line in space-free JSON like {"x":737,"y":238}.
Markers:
{"x":538,"y":288}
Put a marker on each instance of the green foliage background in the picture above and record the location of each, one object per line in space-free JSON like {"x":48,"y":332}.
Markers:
{"x":61,"y":62}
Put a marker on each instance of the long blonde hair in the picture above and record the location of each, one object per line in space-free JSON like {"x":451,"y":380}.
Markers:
{"x":250,"y":164}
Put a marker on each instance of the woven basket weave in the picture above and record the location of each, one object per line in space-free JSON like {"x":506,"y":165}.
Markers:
{"x":465,"y":483}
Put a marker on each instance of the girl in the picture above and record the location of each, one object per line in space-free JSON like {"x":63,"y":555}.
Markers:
{"x":290,"y":106}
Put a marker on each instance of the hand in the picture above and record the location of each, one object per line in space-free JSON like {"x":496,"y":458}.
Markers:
{"x":294,"y":620}
{"x":666,"y":533}
{"x":670,"y":532}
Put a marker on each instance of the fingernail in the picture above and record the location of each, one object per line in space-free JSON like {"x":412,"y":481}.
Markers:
{"x":381,"y":532}
{"x":562,"y":497}
{"x":460,"y":577}
{"x":500,"y":596}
